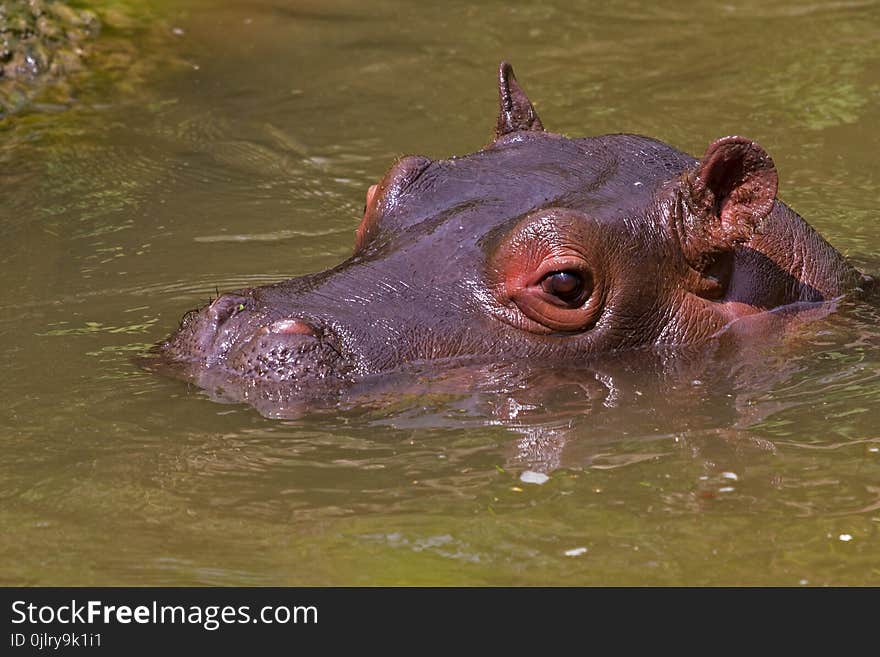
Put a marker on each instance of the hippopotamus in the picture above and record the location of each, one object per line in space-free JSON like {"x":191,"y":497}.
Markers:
{"x":537,"y":247}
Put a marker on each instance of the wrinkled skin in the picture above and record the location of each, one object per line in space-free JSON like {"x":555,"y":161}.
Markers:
{"x":536,"y":247}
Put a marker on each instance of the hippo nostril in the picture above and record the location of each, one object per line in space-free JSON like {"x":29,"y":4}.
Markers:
{"x":227,"y":305}
{"x":291,"y":327}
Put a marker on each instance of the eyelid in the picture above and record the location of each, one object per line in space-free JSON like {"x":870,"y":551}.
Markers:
{"x":559,"y":263}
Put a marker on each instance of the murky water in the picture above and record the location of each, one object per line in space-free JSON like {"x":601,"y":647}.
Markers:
{"x":246,"y":161}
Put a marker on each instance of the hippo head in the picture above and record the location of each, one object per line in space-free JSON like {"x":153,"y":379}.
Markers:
{"x":535,"y":247}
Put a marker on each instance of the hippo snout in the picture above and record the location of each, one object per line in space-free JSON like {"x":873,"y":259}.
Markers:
{"x":238,"y":334}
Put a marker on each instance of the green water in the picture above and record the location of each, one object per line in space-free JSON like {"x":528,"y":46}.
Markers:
{"x":241,"y":155}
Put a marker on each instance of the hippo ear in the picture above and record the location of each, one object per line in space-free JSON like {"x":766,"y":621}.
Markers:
{"x":515,"y":110}
{"x":727,"y":194}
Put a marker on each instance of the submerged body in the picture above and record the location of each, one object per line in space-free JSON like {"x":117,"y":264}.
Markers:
{"x":535,"y":247}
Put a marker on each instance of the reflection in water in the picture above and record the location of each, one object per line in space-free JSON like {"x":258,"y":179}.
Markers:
{"x":249,"y":165}
{"x":575,"y":417}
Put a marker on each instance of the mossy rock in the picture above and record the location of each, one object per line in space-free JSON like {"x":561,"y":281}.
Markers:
{"x":51,"y":50}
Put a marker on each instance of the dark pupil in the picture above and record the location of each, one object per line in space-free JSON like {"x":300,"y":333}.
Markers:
{"x":563,"y":284}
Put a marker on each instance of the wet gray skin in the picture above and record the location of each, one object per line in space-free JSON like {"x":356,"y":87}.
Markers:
{"x":451,"y":263}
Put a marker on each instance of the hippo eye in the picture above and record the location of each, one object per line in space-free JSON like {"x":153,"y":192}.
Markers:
{"x":567,"y":286}
{"x":548,"y":273}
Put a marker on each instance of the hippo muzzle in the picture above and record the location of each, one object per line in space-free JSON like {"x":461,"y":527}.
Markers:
{"x":237,"y":335}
